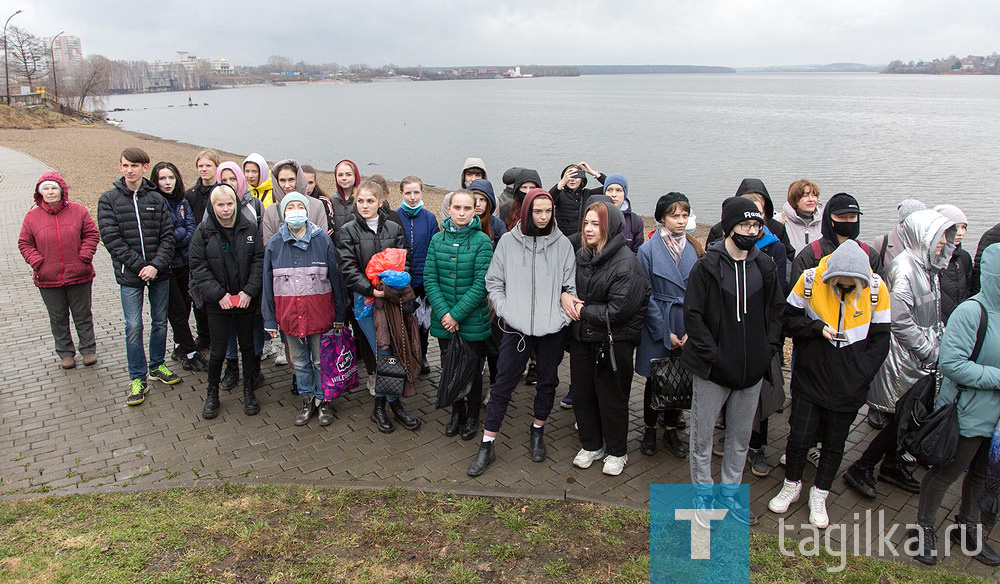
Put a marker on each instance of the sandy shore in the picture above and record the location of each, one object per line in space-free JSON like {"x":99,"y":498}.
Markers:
{"x":87,"y":157}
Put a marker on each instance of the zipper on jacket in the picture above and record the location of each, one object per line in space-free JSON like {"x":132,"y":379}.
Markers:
{"x":534,"y":246}
{"x":142,"y":243}
{"x":62,"y":257}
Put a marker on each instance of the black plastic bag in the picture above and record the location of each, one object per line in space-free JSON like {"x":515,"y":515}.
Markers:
{"x":672,"y":384}
{"x":459,"y":366}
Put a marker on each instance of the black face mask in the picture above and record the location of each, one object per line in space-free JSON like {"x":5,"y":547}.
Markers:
{"x":848,"y":229}
{"x":744,"y":242}
{"x":845,"y":290}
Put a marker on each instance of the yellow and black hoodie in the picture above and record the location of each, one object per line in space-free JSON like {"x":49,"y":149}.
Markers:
{"x":835,"y":374}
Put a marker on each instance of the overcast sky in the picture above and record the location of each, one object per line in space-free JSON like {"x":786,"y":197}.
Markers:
{"x":738,"y":33}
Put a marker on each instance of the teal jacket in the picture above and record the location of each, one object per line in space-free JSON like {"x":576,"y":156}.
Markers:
{"x":455,"y":280}
{"x":979,"y":407}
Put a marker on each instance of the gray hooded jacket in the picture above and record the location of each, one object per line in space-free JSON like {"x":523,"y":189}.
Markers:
{"x":272,"y":215}
{"x":915,"y":308}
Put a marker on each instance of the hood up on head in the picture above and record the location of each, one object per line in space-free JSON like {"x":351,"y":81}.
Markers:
{"x":301,"y":183}
{"x":58,"y":179}
{"x":472,"y":163}
{"x":755,"y":185}
{"x":265,"y":172}
{"x":486,"y":188}
{"x":527,"y":225}
{"x":848,"y":260}
{"x":583,"y":181}
{"x":616,"y":233}
{"x":839,"y":203}
{"x":241,"y":181}
{"x":357,"y":180}
{"x":989,"y":275}
{"x":921,"y":231}
{"x":211,"y":208}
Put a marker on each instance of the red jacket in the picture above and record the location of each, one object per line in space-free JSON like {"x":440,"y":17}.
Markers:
{"x":58,"y":242}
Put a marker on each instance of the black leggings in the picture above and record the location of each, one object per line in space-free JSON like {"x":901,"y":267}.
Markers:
{"x":179,"y":309}
{"x":973,"y":453}
{"x":651,"y":416}
{"x":808,"y":422}
{"x":219,"y":323}
{"x":884,"y":446}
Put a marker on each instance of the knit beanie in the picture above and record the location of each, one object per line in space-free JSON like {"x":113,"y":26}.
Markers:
{"x":736,"y":210}
{"x":953,"y":213}
{"x":848,"y":260}
{"x":909,"y":206}
{"x":50,"y":183}
{"x":292,"y":196}
{"x":616,"y":179}
{"x":664,"y":203}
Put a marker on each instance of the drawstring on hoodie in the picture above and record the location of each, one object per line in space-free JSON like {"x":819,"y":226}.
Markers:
{"x":521,"y":343}
{"x":737,"y":266}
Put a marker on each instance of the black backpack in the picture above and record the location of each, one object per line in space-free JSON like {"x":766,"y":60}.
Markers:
{"x":931,"y":435}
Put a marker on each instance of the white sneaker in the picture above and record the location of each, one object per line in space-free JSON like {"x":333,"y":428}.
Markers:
{"x":817,"y":508}
{"x":585,"y":458}
{"x":268,"y":349}
{"x":908,"y":459}
{"x":613,"y":465}
{"x":279,"y":349}
{"x":371,"y":385}
{"x":788,"y":494}
{"x":813,"y":455}
{"x":781,"y":460}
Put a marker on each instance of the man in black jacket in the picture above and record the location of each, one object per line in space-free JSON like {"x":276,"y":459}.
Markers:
{"x":138,"y":232}
{"x":733,"y":315}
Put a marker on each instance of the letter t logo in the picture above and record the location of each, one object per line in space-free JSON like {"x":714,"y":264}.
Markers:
{"x":701,"y":536}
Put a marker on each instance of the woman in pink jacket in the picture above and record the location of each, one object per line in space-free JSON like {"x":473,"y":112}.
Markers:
{"x":58,"y":240}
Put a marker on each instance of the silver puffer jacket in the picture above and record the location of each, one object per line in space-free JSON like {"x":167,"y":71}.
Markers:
{"x":917,"y":324}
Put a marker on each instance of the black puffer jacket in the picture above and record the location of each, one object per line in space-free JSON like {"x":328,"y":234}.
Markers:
{"x":955,"y":280}
{"x":209,"y":269}
{"x":613,"y":287}
{"x":197,"y":196}
{"x":989,"y":238}
{"x":137,"y":230}
{"x":357,"y":243}
{"x":343,"y":211}
{"x":570,"y":203}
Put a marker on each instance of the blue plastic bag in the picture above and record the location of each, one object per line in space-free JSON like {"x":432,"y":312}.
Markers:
{"x":363,"y":306}
{"x":396,"y":279}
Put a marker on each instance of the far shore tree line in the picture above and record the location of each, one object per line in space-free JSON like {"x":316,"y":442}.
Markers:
{"x":952,"y":65}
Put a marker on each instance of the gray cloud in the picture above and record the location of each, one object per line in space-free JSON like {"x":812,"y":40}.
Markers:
{"x":448,"y":32}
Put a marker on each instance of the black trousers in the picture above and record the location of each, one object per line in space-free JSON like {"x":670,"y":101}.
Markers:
{"x":219,"y":323}
{"x":179,"y":309}
{"x":807,"y":422}
{"x":650,"y":416}
{"x":884,"y":446}
{"x":475,"y":398}
{"x":600,"y":395}
{"x":515,"y":350}
{"x":973,"y":453}
{"x":201,"y":322}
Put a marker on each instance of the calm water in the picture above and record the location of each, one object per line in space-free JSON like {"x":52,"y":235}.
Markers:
{"x":882,"y":138}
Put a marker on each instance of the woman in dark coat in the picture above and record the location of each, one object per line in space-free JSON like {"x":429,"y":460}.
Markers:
{"x":607,"y":318}
{"x":227,"y":264}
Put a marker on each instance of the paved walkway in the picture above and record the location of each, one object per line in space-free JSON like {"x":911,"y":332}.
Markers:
{"x":70,"y":431}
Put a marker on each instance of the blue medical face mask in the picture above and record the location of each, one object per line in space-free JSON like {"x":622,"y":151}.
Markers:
{"x":295,"y":218}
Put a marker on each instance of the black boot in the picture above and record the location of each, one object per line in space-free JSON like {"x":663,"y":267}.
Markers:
{"x":471,"y":426}
{"x":484,"y":458}
{"x":975,"y":539}
{"x":251,"y":406}
{"x":211,"y":408}
{"x":380,"y":418}
{"x":861,"y":480}
{"x":648,"y":444}
{"x":926,"y":552}
{"x":295,"y":386}
{"x":674,"y":443}
{"x":425,"y":368}
{"x":537,"y":444}
{"x":408,"y":420}
{"x":457,"y":419}
{"x":231,"y":376}
{"x":896,"y":473}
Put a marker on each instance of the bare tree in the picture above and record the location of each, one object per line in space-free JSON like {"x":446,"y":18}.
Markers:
{"x":279,"y":64}
{"x":28,"y":55}
{"x":90,"y":82}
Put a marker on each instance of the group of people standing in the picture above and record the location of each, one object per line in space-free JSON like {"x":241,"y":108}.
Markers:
{"x":269,"y":263}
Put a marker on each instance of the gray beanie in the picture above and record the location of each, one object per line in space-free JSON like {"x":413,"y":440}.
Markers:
{"x":909,"y":206}
{"x":848,"y":260}
{"x":954,"y":213}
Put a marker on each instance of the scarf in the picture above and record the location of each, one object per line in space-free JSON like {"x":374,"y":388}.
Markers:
{"x":411,"y":211}
{"x":676,"y":242}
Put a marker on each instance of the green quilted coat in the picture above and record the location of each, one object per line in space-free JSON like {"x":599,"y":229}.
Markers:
{"x":455,"y":280}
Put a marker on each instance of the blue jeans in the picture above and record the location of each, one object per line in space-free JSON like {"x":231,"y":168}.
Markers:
{"x":258,"y":339}
{"x":305,"y":354}
{"x":132,"y":298}
{"x":368,"y":328}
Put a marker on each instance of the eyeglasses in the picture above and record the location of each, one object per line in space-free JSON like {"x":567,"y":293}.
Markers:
{"x":749,"y":227}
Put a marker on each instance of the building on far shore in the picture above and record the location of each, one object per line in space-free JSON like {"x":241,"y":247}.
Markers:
{"x":66,"y":52}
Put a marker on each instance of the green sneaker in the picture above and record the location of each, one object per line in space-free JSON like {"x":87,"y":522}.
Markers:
{"x":136,"y":392}
{"x":165,"y":375}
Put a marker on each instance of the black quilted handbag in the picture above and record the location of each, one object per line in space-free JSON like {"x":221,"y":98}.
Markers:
{"x":672,"y":384}
{"x":390,"y":376}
